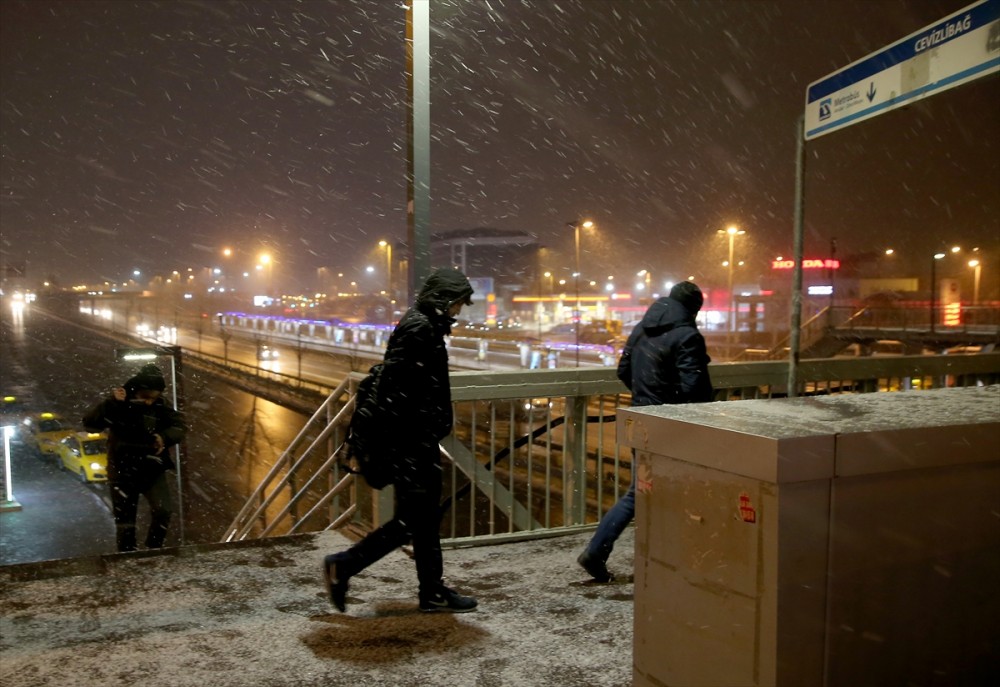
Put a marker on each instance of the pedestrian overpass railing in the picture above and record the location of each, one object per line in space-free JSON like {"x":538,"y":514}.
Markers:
{"x":534,"y":453}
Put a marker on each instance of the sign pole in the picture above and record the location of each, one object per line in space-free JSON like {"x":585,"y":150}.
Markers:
{"x":796,"y":315}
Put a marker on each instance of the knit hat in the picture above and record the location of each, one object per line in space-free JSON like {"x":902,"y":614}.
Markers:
{"x":150,"y":377}
{"x":689,"y":295}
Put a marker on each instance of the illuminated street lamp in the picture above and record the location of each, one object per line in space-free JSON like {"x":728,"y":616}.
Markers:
{"x":937,"y":256}
{"x":646,"y":276}
{"x":954,"y":250}
{"x":576,"y":224}
{"x":732,"y":233}
{"x":881,"y":261}
{"x":977,"y":266}
{"x":265,"y":263}
{"x":388,"y":266}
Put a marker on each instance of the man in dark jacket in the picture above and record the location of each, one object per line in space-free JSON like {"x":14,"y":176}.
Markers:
{"x":414,"y":394}
{"x":664,"y":361}
{"x":141,"y":428}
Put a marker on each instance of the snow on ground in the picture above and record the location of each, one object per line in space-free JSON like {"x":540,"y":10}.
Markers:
{"x":258,"y":615}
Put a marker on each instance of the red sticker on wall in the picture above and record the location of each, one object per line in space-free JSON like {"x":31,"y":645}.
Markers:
{"x":747,"y":512}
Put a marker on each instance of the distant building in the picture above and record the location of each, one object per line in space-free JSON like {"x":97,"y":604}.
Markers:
{"x":508,"y":257}
{"x":497,"y":260}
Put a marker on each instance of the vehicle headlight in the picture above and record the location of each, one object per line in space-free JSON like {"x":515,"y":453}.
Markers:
{"x":96,"y":466}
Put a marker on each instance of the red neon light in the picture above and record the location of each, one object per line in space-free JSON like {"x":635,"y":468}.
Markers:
{"x":806,"y":264}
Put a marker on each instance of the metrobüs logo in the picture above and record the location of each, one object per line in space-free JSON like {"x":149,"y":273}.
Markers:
{"x":825,"y":108}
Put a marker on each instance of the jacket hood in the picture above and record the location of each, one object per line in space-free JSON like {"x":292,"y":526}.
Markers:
{"x":444,"y":288}
{"x":666,"y":314}
{"x":689,"y":295}
{"x":150,"y":377}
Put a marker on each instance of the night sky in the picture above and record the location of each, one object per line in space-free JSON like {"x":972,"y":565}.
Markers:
{"x":148,"y":135}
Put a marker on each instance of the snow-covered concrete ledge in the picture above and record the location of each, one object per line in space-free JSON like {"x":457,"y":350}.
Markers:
{"x":841,"y":540}
{"x":234,"y":615}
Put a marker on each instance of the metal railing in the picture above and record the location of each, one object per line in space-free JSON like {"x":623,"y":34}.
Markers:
{"x":977,"y":324}
{"x":534,"y":453}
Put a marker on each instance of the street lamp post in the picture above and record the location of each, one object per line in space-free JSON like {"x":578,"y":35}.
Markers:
{"x":388,"y":267}
{"x":265,"y":264}
{"x":647,"y":287}
{"x":937,"y":256}
{"x":977,"y":266}
{"x":732,"y":232}
{"x":576,"y":224}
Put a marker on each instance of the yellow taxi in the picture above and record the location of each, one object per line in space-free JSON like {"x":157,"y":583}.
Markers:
{"x":46,"y":430}
{"x":86,"y":455}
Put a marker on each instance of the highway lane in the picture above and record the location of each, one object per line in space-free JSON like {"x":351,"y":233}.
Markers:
{"x":468,"y":350}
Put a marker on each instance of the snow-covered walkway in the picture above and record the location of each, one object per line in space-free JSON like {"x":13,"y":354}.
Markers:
{"x":257,"y":615}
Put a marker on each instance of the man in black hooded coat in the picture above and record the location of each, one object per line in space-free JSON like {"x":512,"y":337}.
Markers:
{"x":664,"y":361}
{"x":414,"y":396}
{"x":141,"y":428}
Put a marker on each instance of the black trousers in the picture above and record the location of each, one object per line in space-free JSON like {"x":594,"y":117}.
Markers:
{"x":125,"y":495}
{"x":417,"y":519}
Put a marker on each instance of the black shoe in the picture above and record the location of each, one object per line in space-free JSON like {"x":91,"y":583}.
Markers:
{"x":336,"y":583}
{"x":446,"y":601}
{"x":595,"y":568}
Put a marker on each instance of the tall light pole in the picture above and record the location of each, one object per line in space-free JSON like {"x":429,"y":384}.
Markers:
{"x":889,"y":252}
{"x":937,"y":256}
{"x":732,"y":233}
{"x":388,"y":267}
{"x":647,"y":278}
{"x":265,"y":262}
{"x":576,"y":224}
{"x":977,"y":266}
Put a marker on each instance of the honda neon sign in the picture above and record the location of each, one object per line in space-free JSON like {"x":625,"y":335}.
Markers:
{"x":806,"y":264}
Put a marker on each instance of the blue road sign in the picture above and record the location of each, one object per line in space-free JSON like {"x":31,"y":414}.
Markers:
{"x":955,"y":50}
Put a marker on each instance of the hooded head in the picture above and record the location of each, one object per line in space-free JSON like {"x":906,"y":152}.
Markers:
{"x":444,"y":288}
{"x":689,"y":295}
{"x":149,"y":378}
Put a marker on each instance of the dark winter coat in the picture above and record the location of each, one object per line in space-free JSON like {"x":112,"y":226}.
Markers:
{"x":665,"y":359}
{"x":131,"y":425}
{"x":414,"y":389}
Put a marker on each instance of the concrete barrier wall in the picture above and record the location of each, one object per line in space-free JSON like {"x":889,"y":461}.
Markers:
{"x":850,"y":540}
